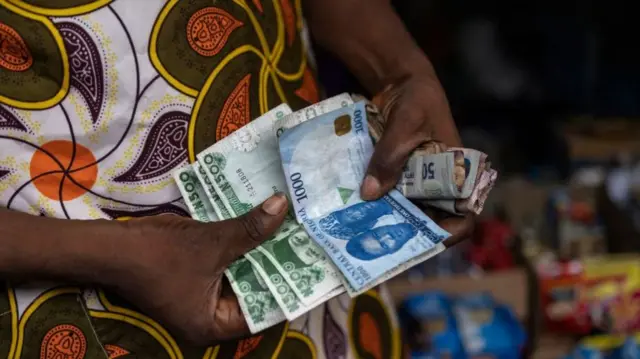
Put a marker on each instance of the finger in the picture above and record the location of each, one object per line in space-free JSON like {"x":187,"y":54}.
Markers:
{"x":389,"y":158}
{"x":230,"y":322}
{"x":461,"y":228}
{"x":249,"y":231}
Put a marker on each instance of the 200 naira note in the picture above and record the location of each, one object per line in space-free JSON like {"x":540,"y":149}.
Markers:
{"x":324,"y":162}
{"x":258,"y":305}
{"x":245,"y":170}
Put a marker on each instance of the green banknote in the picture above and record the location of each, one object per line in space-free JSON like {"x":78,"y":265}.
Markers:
{"x":214,"y":198}
{"x":194,"y":195}
{"x":245,"y":169}
{"x":281,"y":291}
{"x":256,"y":302}
{"x":258,"y":305}
{"x":303,"y":264}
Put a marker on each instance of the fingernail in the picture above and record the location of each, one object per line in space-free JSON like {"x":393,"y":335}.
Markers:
{"x":370,"y":187}
{"x":276,"y":204}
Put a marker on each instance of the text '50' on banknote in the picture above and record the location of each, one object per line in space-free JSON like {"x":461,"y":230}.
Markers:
{"x":324,"y":161}
{"x":446,"y":175}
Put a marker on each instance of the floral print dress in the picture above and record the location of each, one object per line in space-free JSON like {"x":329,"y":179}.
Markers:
{"x":99,"y":101}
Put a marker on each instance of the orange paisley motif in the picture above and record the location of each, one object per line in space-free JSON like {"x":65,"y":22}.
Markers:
{"x":208,"y":30}
{"x":246,"y":346}
{"x":289,"y":20}
{"x":309,"y":90}
{"x":258,"y":4}
{"x":115,"y":351}
{"x":14,"y":53}
{"x":63,"y":341}
{"x":370,"y":336}
{"x":236,"y":111}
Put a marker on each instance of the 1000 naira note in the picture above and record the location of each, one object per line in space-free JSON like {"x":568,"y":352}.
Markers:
{"x":256,"y":301}
{"x":324,"y":162}
{"x":245,"y":176}
{"x":313,"y":111}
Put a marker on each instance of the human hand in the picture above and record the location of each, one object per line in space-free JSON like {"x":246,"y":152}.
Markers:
{"x":175,"y":271}
{"x":415,"y":110}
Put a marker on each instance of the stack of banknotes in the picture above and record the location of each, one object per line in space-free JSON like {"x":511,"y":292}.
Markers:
{"x":332,"y":241}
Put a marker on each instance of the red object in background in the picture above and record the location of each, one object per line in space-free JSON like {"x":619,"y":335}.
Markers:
{"x":563,"y":309}
{"x":582,"y":212}
{"x":490,"y":246}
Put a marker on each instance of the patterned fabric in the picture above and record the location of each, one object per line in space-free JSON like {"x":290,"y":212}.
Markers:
{"x":99,"y":101}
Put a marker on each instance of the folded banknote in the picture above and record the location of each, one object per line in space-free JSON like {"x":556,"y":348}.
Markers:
{"x":324,"y":161}
{"x":456,"y":180}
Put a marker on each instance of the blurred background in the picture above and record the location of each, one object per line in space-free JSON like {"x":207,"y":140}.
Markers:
{"x":551,"y":92}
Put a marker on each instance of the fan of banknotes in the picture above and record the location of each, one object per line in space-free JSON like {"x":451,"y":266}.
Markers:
{"x":332,"y":241}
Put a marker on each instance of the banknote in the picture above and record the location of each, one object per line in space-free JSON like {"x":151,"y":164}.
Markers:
{"x":324,"y":162}
{"x":475,"y":202}
{"x":315,"y":110}
{"x":289,"y":302}
{"x":216,"y":202}
{"x":244,"y":167}
{"x":258,"y":305}
{"x":304,"y":265}
{"x":454,"y":177}
{"x":281,"y":291}
{"x":194,"y":195}
{"x":437,"y":249}
{"x":247,"y":175}
{"x":446,"y":175}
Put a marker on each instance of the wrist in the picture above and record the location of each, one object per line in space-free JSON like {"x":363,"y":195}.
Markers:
{"x":378,"y":50}
{"x":69,"y":250}
{"x":96,"y":252}
{"x":410,"y":63}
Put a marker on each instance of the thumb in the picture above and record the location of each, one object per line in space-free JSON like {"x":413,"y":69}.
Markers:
{"x":387,"y":163}
{"x":253,"y":228}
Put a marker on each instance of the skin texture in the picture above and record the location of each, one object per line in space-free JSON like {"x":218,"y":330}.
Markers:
{"x":416,"y":111}
{"x":383,"y":56}
{"x":192,"y":298}
{"x":170,"y":267}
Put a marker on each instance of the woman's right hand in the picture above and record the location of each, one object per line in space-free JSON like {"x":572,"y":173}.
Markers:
{"x":174,"y":270}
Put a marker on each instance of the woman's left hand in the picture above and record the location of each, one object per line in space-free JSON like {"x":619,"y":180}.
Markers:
{"x":416,"y":111}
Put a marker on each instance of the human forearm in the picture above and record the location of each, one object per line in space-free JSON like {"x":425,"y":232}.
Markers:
{"x":43,"y":248}
{"x":369,"y":37}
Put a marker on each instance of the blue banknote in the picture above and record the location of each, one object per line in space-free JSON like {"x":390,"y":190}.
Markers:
{"x":324,"y":161}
